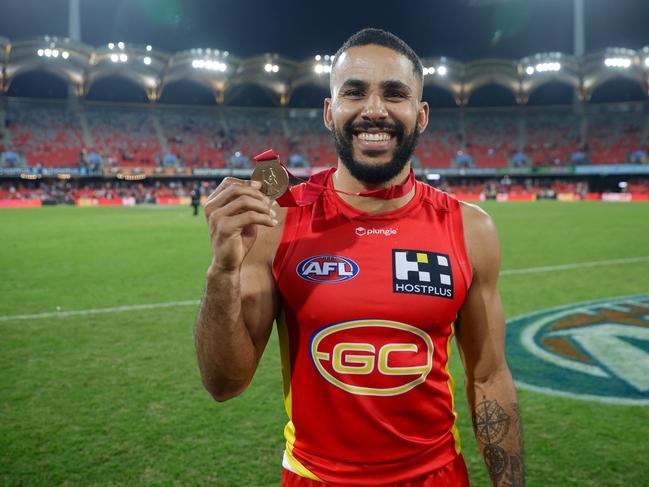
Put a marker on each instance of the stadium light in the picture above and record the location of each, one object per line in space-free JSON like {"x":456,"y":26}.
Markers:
{"x":48,"y":52}
{"x":318,"y":57}
{"x":646,"y":62}
{"x":271,"y":68}
{"x":442,"y":70}
{"x":120,"y":44}
{"x":318,"y":68}
{"x":111,"y":45}
{"x":123,"y":58}
{"x":617,"y":62}
{"x":114,"y":58}
{"x":65,"y":55}
{"x":530,"y":70}
{"x":55,"y":53}
{"x":147,"y":60}
{"x":148,"y":48}
{"x":40,"y":52}
{"x":545,"y":67}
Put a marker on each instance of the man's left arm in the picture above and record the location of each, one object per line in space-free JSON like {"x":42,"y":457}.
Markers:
{"x":480,"y":334}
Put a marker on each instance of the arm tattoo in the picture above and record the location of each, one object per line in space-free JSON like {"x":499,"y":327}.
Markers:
{"x":492,"y":424}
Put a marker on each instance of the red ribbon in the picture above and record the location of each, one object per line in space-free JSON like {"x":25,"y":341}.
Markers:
{"x":317,"y":184}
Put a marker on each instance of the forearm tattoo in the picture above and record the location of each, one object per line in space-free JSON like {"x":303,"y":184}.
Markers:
{"x":492,"y":425}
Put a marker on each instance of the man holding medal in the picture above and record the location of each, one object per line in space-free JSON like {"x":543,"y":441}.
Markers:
{"x":368,"y":274}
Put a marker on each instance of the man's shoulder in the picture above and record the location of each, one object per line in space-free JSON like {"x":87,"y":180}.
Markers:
{"x":480,"y":235}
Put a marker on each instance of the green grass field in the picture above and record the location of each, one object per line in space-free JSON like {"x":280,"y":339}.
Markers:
{"x":115,"y":398}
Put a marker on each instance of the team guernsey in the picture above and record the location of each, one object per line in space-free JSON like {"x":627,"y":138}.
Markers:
{"x":368,"y":306}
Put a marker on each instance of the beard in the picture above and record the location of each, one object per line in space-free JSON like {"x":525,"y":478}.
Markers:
{"x":375,"y":173}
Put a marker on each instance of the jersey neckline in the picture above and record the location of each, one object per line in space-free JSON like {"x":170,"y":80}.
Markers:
{"x":351,"y":212}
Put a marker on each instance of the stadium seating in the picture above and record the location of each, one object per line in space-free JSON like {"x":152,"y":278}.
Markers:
{"x":46,"y":133}
{"x":55,"y":134}
{"x":124,"y":136}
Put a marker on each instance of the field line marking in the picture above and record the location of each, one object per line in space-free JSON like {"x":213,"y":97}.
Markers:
{"x":97,"y":311}
{"x":575,"y":265}
{"x":194,"y":302}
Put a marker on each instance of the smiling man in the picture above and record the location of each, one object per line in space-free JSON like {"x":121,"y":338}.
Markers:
{"x":368,"y":276}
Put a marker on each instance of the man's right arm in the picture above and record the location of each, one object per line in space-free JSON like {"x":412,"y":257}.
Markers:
{"x":240,"y":299}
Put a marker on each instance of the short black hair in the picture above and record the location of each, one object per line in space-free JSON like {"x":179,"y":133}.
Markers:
{"x":383,"y":38}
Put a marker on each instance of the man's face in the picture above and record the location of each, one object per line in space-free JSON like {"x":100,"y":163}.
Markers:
{"x":374,"y":112}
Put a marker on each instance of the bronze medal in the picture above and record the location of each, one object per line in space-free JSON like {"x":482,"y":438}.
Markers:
{"x":272,"y":176}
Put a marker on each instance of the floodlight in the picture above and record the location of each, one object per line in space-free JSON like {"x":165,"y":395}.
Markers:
{"x":617,"y":62}
{"x":442,"y":70}
{"x":433,"y":176}
{"x":268,"y":67}
{"x":111,"y":45}
{"x":65,"y":55}
{"x":327,"y":68}
{"x":646,"y":62}
{"x":318,"y":57}
{"x":147,"y":60}
{"x":148,"y":48}
{"x":123,"y":58}
{"x":275,"y":68}
{"x":40,"y":52}
{"x":318,"y":68}
{"x":120,"y":44}
{"x":55,"y":53}
{"x":114,"y":58}
{"x":530,"y":70}
{"x":48,"y":52}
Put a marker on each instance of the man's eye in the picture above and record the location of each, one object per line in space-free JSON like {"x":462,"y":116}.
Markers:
{"x":394,"y":94}
{"x":354,"y":93}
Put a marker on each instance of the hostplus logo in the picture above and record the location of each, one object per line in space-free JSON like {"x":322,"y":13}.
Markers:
{"x":386,"y":232}
{"x":419,"y":272}
{"x":597,"y":351}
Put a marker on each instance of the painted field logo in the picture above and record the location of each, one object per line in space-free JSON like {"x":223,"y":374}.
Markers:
{"x":373,"y":357}
{"x":327,"y":268}
{"x":596,"y":350}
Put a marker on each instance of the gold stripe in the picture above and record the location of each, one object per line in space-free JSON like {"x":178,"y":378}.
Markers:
{"x":289,"y":429}
{"x":451,"y":388}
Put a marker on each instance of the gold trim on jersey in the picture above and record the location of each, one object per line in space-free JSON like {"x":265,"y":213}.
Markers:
{"x":451,"y":388}
{"x":289,"y":429}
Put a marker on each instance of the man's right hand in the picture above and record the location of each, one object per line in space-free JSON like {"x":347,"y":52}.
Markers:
{"x":233,"y":211}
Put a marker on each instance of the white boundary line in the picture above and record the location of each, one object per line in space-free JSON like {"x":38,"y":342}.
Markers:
{"x":194,"y":302}
{"x":575,"y":265}
{"x":98,"y":311}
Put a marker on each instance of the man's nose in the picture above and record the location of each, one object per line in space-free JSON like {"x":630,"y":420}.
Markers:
{"x":374,"y":108}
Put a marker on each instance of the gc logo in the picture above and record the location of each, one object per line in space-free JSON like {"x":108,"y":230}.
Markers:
{"x":373,"y":357}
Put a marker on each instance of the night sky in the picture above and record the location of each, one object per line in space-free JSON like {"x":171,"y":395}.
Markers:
{"x":457,"y":29}
{"x":300,"y":29}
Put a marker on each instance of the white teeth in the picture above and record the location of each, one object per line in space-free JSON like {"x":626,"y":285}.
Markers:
{"x":377,"y":136}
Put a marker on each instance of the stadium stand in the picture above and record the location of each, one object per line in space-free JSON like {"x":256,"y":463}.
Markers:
{"x":68,"y":134}
{"x":44,"y":133}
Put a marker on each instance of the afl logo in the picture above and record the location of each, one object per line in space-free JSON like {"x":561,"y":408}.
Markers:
{"x":596,"y":351}
{"x":327,"y":268}
{"x":372,"y":357}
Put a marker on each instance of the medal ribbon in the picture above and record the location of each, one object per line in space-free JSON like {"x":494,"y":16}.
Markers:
{"x":316,"y":184}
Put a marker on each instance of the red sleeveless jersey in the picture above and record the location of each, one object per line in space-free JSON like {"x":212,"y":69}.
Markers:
{"x":368,"y":305}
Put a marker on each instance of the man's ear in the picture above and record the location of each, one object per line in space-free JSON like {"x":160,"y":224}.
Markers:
{"x":422,"y":116}
{"x":326,"y":114}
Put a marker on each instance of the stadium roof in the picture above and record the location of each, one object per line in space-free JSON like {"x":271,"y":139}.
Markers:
{"x":222,"y":72}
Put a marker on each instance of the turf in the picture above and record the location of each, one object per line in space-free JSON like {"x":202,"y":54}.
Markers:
{"x":116,"y":399}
